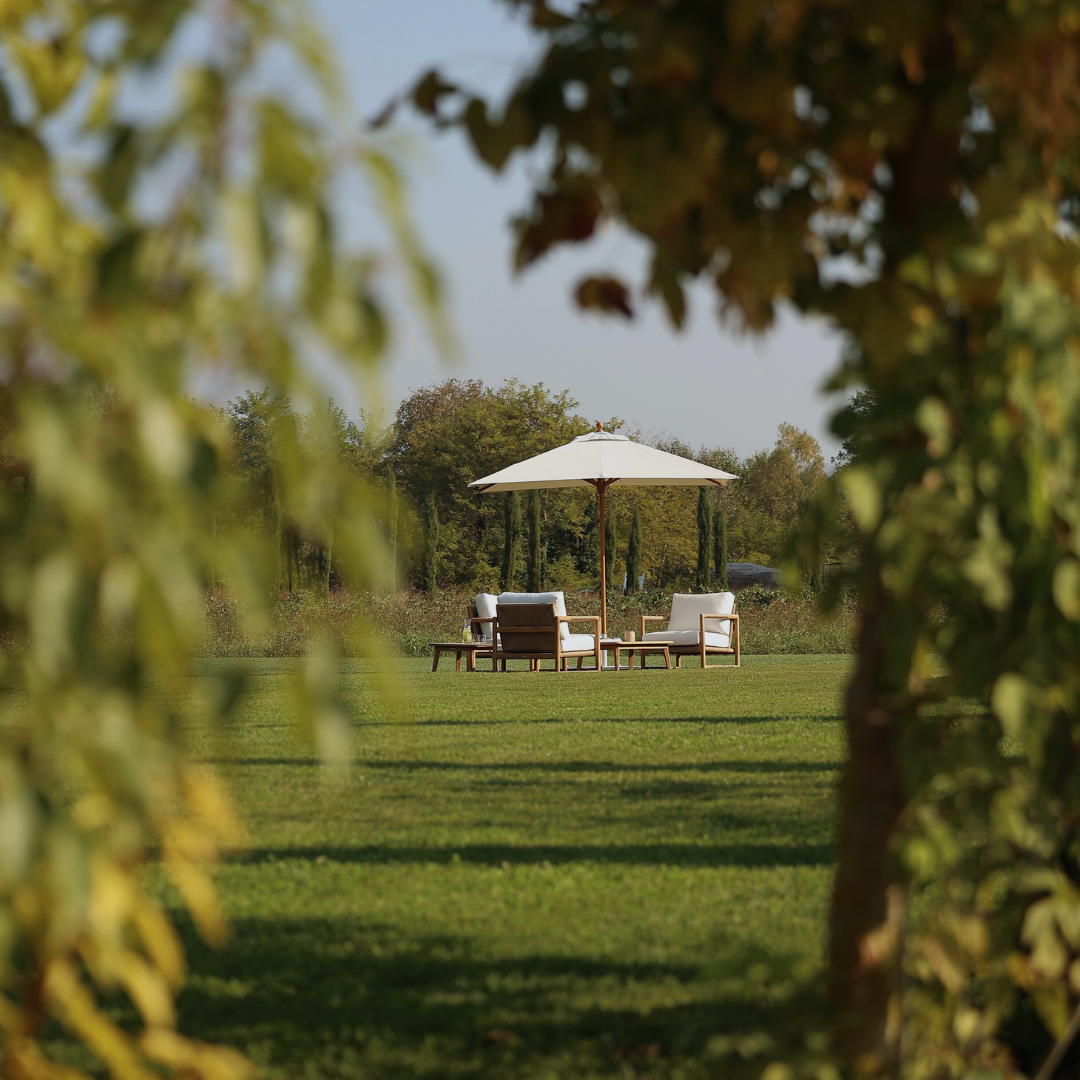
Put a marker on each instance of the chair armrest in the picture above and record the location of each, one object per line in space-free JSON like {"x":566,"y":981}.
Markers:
{"x":652,"y":618}
{"x":594,"y":619}
{"x":733,"y":618}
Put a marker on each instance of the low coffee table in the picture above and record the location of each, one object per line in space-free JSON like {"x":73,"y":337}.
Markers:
{"x":469,"y":648}
{"x":643,"y":647}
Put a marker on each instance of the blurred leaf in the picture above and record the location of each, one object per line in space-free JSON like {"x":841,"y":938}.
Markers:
{"x":606,"y":294}
{"x":202,"y":232}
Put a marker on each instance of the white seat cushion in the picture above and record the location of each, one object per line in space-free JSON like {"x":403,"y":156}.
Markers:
{"x":689,"y":637}
{"x":686,"y":612}
{"x":555,"y":598}
{"x":578,"y":643}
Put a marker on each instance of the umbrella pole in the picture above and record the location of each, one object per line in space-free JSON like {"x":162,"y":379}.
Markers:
{"x":603,"y":563}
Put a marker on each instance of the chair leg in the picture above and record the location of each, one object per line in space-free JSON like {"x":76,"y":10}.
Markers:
{"x":579,"y":659}
{"x":678,"y":660}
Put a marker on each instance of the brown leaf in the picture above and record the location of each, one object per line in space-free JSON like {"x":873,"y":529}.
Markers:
{"x":606,"y":294}
{"x":429,"y":91}
{"x":557,"y":216}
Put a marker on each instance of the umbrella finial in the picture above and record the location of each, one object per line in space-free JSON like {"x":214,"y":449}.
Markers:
{"x":599,"y":425}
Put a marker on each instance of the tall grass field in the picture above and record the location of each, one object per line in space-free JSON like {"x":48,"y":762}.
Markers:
{"x":771,"y":622}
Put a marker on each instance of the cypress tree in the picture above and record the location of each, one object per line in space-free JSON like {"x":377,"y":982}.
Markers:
{"x":704,"y":542}
{"x":392,"y":524}
{"x":511,"y":539}
{"x":633,"y":554}
{"x":533,"y":569}
{"x":326,"y":555}
{"x":609,"y":549}
{"x":431,"y":550}
{"x":720,"y":548}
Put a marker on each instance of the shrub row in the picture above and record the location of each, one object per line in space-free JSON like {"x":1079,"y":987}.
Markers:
{"x":405,"y":622}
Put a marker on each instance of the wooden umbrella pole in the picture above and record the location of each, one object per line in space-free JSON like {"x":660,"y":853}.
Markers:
{"x":603,"y":562}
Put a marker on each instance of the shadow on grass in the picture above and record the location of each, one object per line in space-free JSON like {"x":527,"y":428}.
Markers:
{"x":663,"y":854}
{"x":691,"y":718}
{"x":553,"y":766}
{"x":314,"y":998}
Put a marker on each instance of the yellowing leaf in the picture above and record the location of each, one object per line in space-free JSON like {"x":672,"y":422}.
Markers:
{"x":52,"y":68}
{"x":1009,"y":702}
{"x":1067,"y":588}
{"x":864,"y":495}
{"x":148,"y":990}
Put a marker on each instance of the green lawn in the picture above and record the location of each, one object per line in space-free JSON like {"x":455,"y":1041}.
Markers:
{"x":527,"y":875}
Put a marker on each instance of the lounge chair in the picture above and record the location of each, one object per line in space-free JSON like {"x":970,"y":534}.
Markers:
{"x":689,"y":622}
{"x":482,"y":619}
{"x":534,"y":632}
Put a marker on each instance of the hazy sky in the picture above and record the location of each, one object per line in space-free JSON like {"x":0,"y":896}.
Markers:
{"x":706,"y":385}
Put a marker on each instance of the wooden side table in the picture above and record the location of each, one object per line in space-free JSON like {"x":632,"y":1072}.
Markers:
{"x":469,"y":648}
{"x":643,"y":647}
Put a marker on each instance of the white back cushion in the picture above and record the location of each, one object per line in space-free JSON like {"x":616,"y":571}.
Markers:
{"x":555,"y":598}
{"x":687,"y":609}
{"x":485,"y":609}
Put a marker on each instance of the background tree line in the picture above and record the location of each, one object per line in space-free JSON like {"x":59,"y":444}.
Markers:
{"x":445,"y":436}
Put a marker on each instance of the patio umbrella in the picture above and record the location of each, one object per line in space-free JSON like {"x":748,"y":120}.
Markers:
{"x":600,"y":460}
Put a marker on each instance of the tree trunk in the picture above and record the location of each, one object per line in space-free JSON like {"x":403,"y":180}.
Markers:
{"x":866,"y":927}
{"x":867,"y":918}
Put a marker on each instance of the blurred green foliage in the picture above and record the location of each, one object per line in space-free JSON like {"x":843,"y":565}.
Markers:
{"x":166,"y":214}
{"x":909,"y":172}
{"x":258,"y":428}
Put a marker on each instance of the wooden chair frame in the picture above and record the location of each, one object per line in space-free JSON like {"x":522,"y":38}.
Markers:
{"x":701,"y":649}
{"x":501,"y":634}
{"x":475,"y":625}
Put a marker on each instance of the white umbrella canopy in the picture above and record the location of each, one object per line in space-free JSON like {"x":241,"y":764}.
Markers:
{"x":600,"y":460}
